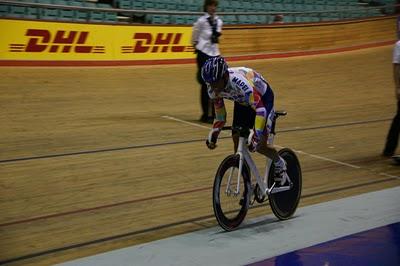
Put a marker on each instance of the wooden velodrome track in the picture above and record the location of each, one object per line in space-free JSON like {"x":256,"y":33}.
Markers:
{"x":90,"y":159}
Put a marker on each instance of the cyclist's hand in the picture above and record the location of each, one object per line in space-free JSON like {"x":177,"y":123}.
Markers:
{"x":253,"y":143}
{"x":211,"y":141}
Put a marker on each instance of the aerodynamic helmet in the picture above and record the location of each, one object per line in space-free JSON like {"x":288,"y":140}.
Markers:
{"x":214,"y":69}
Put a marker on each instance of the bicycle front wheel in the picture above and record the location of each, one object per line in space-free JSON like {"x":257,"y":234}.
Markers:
{"x":230,"y":203}
{"x":284,"y":204}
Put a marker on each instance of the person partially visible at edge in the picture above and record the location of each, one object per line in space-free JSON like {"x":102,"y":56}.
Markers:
{"x":205,"y":39}
{"x":278,"y":19}
{"x":253,"y":99}
{"x":392,"y":139}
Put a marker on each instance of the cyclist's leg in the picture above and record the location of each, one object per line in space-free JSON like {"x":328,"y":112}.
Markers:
{"x":268,"y":149}
{"x":263,"y":146}
{"x":243,"y":116}
{"x":279,"y":163}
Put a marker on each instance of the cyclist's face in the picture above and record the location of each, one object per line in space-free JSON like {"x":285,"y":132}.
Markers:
{"x":218,"y":85}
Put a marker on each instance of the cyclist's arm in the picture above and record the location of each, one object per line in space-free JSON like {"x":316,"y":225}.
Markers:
{"x":220,"y":113}
{"x":219,"y":106}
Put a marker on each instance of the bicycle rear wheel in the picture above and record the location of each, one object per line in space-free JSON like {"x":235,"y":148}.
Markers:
{"x":284,"y":204}
{"x":230,"y":209}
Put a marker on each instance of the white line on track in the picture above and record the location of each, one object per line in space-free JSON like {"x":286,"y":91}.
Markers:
{"x":184,"y":122}
{"x":187,"y":123}
{"x":388,"y":175}
{"x":299,"y":152}
{"x":329,"y":160}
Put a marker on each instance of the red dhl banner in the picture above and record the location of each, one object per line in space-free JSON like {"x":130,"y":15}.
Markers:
{"x":34,"y":40}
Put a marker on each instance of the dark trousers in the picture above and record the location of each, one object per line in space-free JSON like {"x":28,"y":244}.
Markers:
{"x":206,"y":104}
{"x":393,"y":135}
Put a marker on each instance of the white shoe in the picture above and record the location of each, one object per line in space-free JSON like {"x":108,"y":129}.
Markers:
{"x":280,"y":171}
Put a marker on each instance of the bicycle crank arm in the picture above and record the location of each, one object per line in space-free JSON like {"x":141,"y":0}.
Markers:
{"x":278,"y":189}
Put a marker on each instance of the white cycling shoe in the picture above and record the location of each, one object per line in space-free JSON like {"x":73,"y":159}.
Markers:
{"x":280,"y":172}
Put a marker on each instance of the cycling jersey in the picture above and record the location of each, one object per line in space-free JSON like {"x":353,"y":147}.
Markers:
{"x":247,"y":87}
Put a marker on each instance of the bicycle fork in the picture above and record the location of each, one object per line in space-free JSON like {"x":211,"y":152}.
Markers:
{"x":228,"y":190}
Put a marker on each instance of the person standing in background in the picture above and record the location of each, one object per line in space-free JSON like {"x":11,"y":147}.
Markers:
{"x":394,"y":131}
{"x":278,"y":19}
{"x":205,"y":38}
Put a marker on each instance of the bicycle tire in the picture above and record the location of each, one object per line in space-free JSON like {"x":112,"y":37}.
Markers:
{"x":284,"y":204}
{"x":228,"y":223}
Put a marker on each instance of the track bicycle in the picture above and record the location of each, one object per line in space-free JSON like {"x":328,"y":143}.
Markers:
{"x":234,"y":192}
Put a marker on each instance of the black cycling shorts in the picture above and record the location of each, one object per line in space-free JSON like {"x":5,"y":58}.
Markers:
{"x":243,"y":116}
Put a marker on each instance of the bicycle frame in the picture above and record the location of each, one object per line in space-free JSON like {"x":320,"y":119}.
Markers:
{"x":244,"y":155}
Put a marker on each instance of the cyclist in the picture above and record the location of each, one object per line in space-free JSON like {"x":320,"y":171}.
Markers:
{"x":253,"y":106}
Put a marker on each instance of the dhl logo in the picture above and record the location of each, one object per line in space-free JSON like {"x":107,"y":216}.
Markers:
{"x":160,"y":42}
{"x":62,"y":42}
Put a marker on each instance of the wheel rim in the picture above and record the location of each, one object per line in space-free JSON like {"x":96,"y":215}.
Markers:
{"x":230,"y":209}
